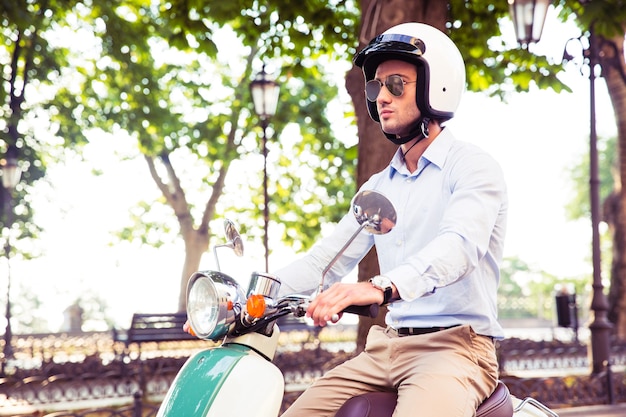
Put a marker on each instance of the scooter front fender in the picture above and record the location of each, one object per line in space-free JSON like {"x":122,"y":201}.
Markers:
{"x":226,"y":380}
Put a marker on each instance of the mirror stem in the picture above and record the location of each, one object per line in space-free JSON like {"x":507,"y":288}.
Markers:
{"x":217,"y":261}
{"x":343,"y":249}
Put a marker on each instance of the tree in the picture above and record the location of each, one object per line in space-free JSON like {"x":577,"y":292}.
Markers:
{"x":195,"y":111}
{"x":160,"y":79}
{"x":31,"y":64}
{"x":33,"y":88}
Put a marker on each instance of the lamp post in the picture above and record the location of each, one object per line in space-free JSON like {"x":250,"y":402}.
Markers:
{"x":265,"y":98}
{"x":600,"y":326}
{"x":11,"y":174}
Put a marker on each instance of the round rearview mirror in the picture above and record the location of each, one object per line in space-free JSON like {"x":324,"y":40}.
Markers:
{"x":374,"y":212}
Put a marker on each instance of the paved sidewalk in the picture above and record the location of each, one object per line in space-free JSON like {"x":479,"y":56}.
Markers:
{"x":615,"y":410}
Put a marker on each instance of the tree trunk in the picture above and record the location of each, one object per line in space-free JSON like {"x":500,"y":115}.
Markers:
{"x":616,"y":84}
{"x":196,"y":244}
{"x":375,"y":151}
{"x":196,"y":239}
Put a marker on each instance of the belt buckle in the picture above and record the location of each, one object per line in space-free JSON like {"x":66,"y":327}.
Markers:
{"x":393,"y":331}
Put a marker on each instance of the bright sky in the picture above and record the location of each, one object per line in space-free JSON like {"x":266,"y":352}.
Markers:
{"x":535,"y":136}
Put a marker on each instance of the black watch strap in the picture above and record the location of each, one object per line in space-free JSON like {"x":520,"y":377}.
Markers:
{"x":387,"y":293}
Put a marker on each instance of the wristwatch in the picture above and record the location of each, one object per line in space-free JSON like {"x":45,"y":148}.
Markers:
{"x":384,"y":284}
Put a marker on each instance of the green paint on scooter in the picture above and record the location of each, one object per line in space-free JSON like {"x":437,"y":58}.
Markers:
{"x":199,"y":381}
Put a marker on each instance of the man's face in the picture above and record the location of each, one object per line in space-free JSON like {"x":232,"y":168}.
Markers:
{"x":398,"y":114}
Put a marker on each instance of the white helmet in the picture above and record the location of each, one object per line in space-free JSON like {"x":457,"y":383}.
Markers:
{"x":440,"y":66}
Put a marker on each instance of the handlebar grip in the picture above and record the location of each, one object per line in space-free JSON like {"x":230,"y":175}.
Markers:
{"x":367,"y":311}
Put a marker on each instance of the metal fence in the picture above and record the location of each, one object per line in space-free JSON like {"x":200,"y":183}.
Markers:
{"x":553,"y":372}
{"x":519,"y":355}
{"x":571,"y":391}
{"x":139,"y":408}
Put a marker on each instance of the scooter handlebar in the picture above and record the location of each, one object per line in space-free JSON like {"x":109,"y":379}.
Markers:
{"x":367,"y":310}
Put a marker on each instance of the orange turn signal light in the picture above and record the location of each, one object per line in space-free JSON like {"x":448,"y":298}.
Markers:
{"x":255,"y":305}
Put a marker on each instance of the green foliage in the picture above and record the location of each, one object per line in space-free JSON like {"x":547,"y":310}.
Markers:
{"x":322,"y":195}
{"x":493,"y":66}
{"x":156,"y":72}
{"x":608,"y":159}
{"x":526,"y":292}
{"x":30,"y":62}
{"x":513,"y":291}
{"x":149,"y":226}
{"x":579,"y":205}
{"x":96,"y":314}
{"x":508,"y":285}
{"x":608,"y":17}
{"x":26,"y":311}
{"x":162,"y":77}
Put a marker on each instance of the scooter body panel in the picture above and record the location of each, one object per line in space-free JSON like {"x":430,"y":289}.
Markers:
{"x":255,"y":387}
{"x":225,"y":381}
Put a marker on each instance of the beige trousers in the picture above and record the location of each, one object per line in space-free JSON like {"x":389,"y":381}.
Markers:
{"x":443,"y":374}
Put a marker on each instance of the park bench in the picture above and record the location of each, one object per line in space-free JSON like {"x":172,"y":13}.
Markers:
{"x":168,"y":327}
{"x":161,"y":327}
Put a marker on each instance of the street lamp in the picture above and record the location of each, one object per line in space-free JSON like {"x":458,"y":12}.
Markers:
{"x":600,"y":326}
{"x":528,"y":19}
{"x":265,"y":98}
{"x":11,"y":174}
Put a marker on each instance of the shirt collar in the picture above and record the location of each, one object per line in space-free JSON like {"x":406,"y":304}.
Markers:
{"x":435,"y":154}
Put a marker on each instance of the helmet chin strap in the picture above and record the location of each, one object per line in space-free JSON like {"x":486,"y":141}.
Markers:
{"x":419,"y":131}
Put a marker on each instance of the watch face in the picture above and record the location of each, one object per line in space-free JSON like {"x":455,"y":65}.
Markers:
{"x":381,"y":281}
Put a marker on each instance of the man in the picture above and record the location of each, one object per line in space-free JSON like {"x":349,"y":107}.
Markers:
{"x":439,"y":265}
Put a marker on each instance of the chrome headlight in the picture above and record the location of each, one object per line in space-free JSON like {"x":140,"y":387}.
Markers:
{"x":213,"y":302}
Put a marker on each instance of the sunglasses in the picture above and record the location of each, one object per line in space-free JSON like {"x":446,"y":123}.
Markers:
{"x":394,"y":83}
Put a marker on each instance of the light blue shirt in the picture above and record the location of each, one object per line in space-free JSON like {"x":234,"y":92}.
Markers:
{"x":444,"y":253}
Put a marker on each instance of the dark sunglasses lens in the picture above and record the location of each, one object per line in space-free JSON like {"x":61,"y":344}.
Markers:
{"x":372,"y":89}
{"x":395,"y":85}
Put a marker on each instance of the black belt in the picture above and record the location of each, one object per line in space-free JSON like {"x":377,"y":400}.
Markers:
{"x":414,"y":331}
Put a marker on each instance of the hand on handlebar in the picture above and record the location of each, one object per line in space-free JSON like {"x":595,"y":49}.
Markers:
{"x":328,"y":305}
